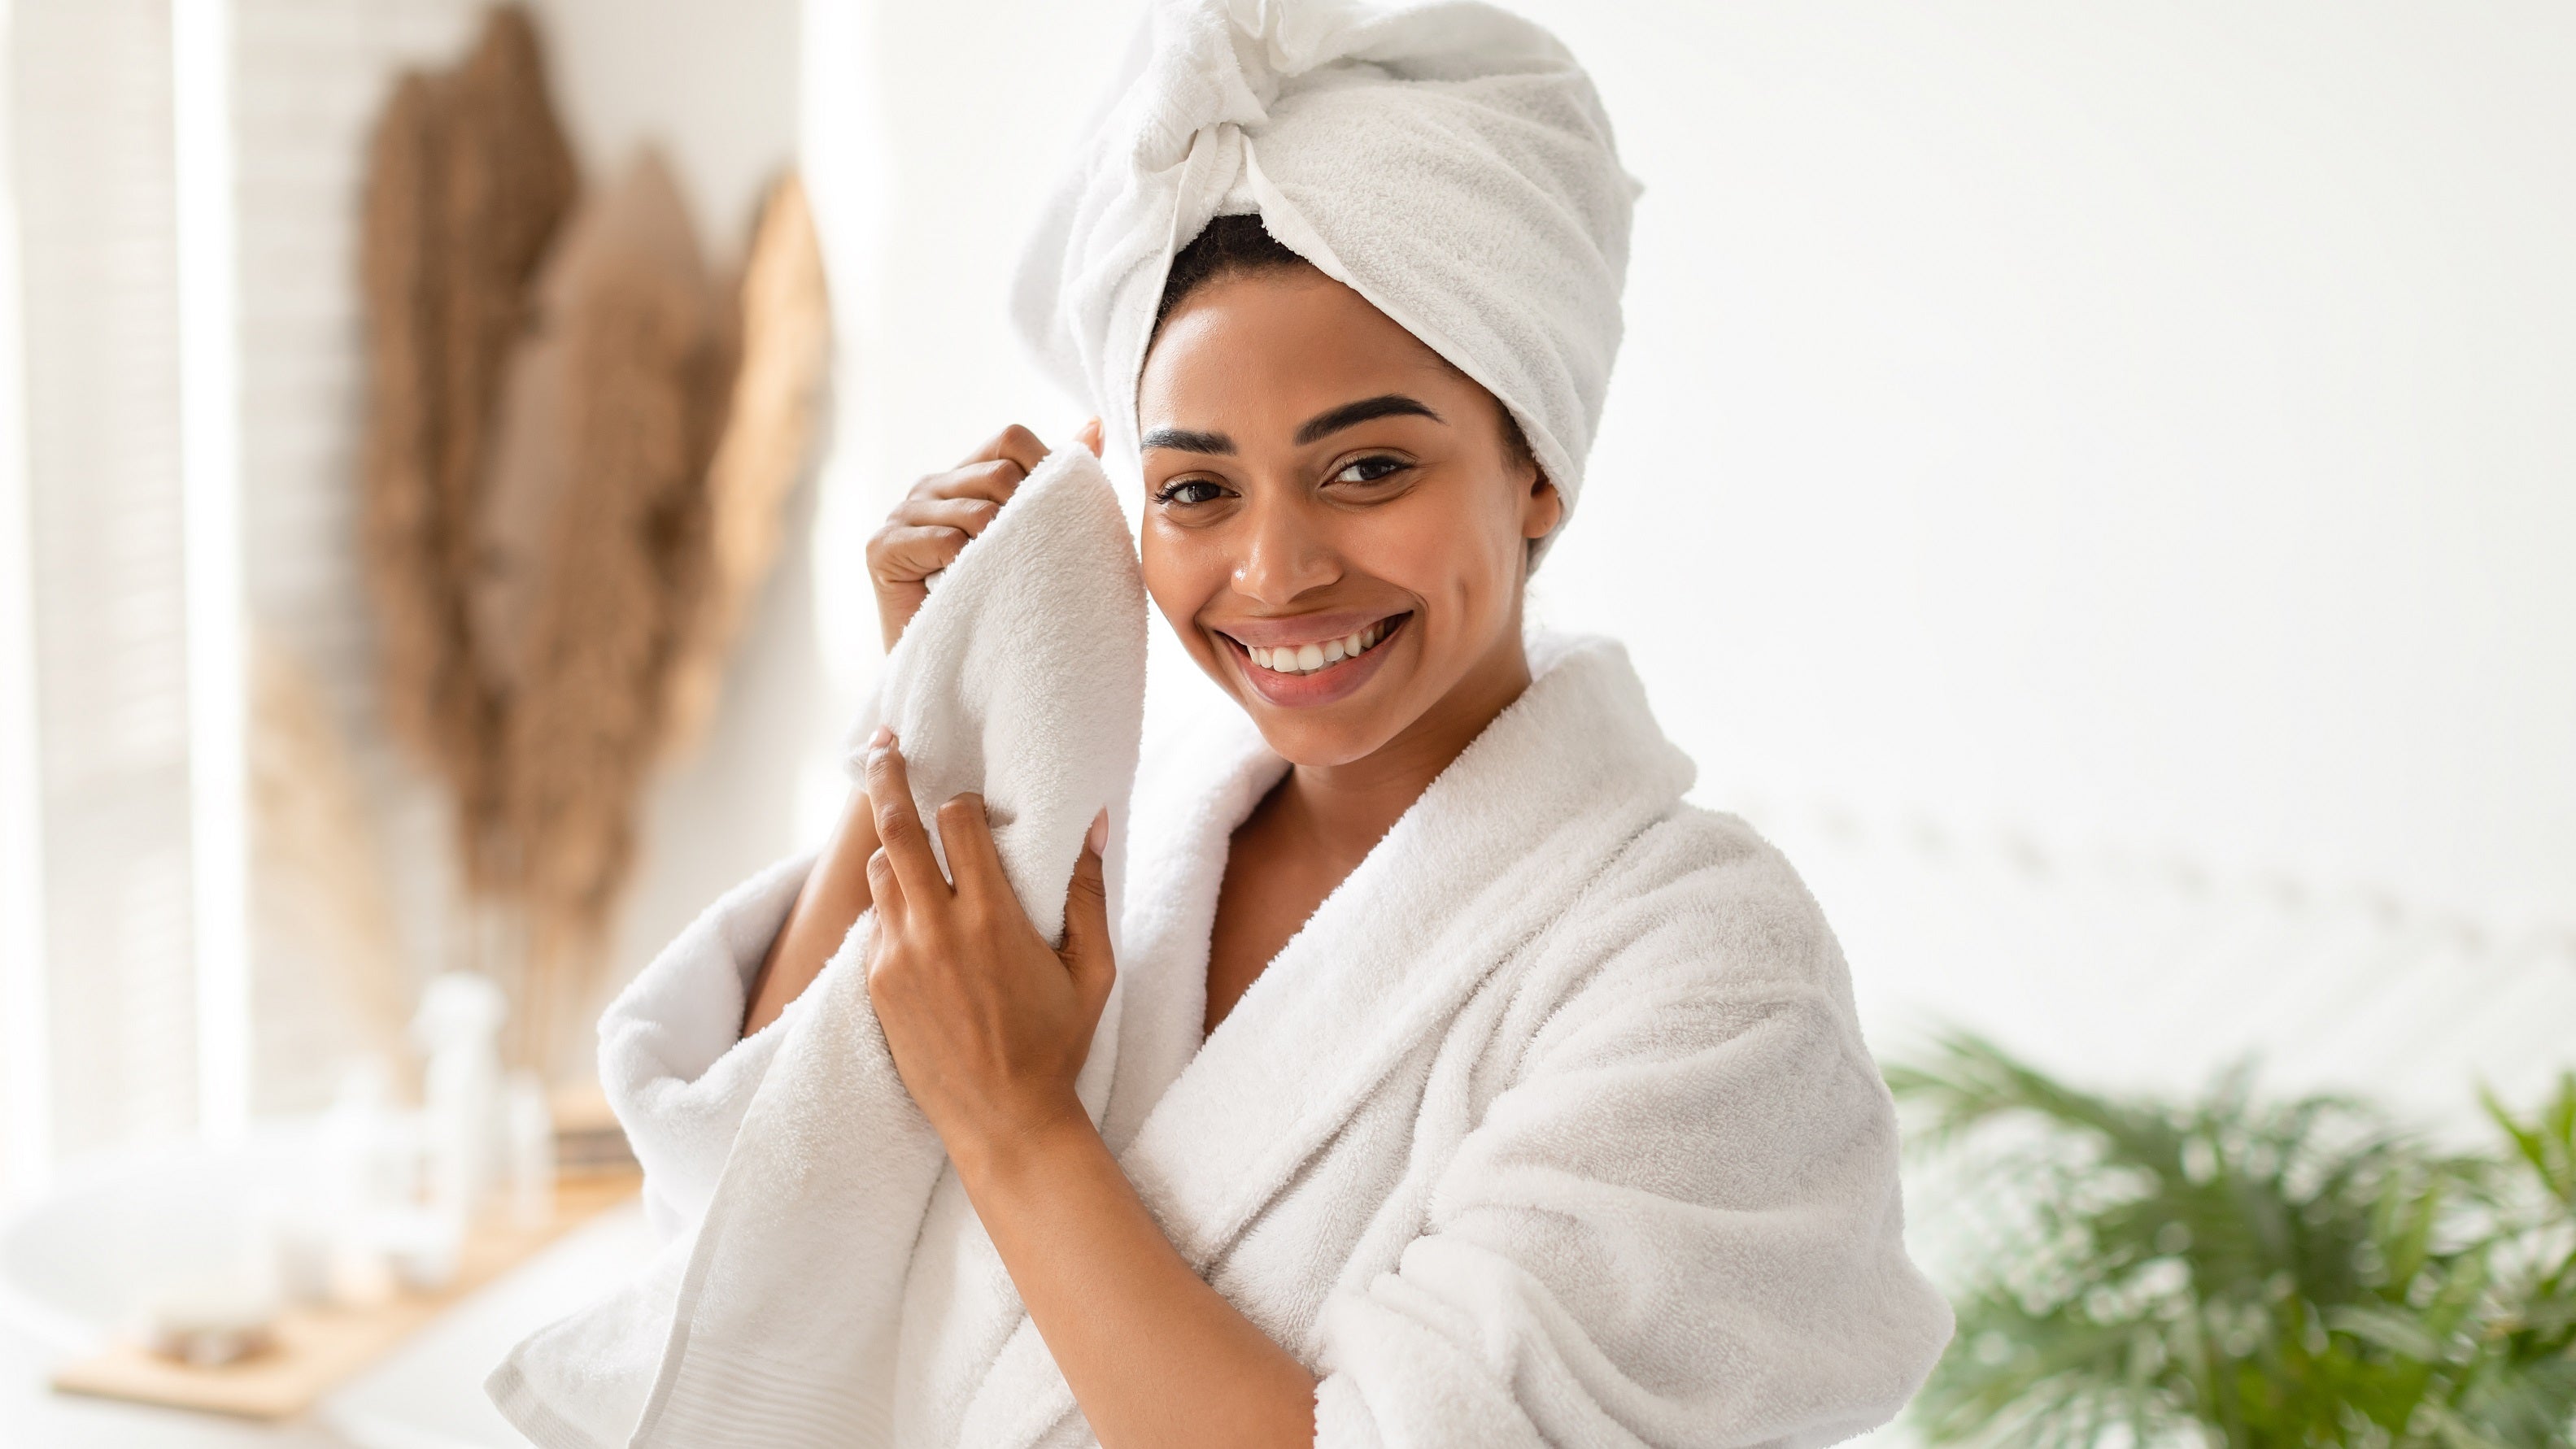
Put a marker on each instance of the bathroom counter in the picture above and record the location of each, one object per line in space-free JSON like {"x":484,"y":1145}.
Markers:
{"x":425,"y":1394}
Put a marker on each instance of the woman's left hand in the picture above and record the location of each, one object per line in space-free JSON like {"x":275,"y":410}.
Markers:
{"x":988,"y":1023}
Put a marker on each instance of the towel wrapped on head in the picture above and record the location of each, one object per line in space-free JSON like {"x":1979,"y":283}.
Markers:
{"x":1448,"y":161}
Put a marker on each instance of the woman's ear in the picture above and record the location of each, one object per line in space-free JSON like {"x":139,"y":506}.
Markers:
{"x":1543,"y":510}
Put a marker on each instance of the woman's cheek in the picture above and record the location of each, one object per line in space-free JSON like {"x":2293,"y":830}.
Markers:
{"x":1176,"y":579}
{"x":1162,"y":582}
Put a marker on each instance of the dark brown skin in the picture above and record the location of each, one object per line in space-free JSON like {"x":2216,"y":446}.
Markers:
{"x":1275,"y":514}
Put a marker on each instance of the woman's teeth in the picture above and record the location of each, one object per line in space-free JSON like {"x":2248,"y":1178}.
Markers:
{"x":1307,"y":658}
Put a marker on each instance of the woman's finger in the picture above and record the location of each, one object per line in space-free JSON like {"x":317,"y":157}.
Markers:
{"x":905,"y":553}
{"x":1086,"y":952}
{"x":966,"y":515}
{"x":1015,"y":444}
{"x":1089,"y":436}
{"x":993,"y":480}
{"x":885,"y":891}
{"x":899,"y":830}
{"x":972,"y":860}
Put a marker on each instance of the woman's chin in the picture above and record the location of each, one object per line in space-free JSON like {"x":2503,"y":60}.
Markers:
{"x":1323,"y":745}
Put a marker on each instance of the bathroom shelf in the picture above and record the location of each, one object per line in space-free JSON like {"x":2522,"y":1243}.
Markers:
{"x":319,"y":1348}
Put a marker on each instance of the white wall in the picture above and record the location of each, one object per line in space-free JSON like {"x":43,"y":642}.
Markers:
{"x":2138,"y":423}
{"x":931,"y":133}
{"x":714,"y":85}
{"x":2127,"y":442}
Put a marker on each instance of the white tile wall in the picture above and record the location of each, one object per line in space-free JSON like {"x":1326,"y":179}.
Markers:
{"x":91,"y":126}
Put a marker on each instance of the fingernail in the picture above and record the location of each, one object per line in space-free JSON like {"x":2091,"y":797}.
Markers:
{"x":883,"y":737}
{"x":1099,"y":836}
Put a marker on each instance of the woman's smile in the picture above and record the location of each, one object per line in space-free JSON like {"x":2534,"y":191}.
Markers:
{"x":1310,"y":659}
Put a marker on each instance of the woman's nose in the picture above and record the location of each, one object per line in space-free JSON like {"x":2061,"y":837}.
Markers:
{"x":1284,"y":554}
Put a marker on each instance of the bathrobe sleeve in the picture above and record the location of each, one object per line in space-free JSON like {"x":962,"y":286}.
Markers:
{"x":1677,"y":1224}
{"x":672,"y":1059}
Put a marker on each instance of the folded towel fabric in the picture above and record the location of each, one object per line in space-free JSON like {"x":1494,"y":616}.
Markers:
{"x":775,"y":1321}
{"x":1448,"y":161}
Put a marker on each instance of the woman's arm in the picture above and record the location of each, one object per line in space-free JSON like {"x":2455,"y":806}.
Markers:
{"x":835,"y":894}
{"x":1155,"y":1356}
{"x":989,"y":1026}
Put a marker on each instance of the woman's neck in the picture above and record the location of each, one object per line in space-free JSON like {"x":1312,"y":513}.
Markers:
{"x":1346,"y":809}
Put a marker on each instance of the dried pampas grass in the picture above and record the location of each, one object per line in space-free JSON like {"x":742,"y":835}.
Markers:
{"x":579,"y":450}
{"x":468,"y":179}
{"x":595,"y":555}
{"x":321,"y":884}
{"x":769,"y":433}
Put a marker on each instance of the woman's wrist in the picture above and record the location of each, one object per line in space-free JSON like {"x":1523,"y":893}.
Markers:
{"x":1153,"y":1353}
{"x":1006,"y":1156}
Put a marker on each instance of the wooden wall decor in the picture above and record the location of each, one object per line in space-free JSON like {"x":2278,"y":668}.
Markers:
{"x":580,"y":445}
{"x":469,"y":179}
{"x":593,"y":558}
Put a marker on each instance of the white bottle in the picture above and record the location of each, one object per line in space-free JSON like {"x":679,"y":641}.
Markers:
{"x":529,"y":1128}
{"x":317,"y":1222}
{"x":459,"y":1027}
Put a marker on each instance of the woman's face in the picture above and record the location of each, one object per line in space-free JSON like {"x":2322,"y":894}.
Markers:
{"x":1333,"y":522}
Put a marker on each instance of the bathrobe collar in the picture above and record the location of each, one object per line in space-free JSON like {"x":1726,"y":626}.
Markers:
{"x":1211,"y":1132}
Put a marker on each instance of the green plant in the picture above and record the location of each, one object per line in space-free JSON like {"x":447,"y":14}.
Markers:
{"x":2232,"y":1271}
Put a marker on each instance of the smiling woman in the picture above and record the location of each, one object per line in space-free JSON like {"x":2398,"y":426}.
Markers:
{"x":1465,"y":1086}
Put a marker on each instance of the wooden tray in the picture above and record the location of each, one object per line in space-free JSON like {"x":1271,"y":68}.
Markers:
{"x":319,"y":1348}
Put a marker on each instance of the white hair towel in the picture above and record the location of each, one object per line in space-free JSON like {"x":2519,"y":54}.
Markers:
{"x":776,"y":1322}
{"x":1448,"y":161}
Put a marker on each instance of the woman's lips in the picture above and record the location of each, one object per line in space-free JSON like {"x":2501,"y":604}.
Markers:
{"x":1301,"y":670}
{"x":1307,"y":656}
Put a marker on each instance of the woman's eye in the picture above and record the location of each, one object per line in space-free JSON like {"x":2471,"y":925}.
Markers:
{"x":1369,"y":470}
{"x":1188,"y":490}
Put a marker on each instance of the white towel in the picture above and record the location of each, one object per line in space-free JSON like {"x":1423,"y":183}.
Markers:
{"x":776,"y":1322}
{"x":1448,"y":161}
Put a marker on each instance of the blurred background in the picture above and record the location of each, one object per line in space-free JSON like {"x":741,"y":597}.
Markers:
{"x":2096,"y":486}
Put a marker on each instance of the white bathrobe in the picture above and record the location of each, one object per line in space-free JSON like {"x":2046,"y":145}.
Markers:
{"x":1553,"y":1125}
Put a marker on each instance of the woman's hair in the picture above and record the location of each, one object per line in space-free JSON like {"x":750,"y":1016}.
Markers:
{"x":1239,"y":246}
{"x":1231,"y":246}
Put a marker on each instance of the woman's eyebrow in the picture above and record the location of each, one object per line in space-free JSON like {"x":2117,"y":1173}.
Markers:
{"x":1392,"y":405}
{"x":1188,"y":442}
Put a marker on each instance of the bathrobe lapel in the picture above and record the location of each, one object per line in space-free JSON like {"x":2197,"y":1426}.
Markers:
{"x":1480,"y":868}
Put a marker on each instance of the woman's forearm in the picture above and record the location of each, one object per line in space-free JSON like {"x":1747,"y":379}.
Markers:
{"x":1154,"y":1355}
{"x":834,"y":896}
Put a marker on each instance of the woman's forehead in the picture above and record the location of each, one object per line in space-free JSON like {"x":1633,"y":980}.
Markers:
{"x":1289,"y":344}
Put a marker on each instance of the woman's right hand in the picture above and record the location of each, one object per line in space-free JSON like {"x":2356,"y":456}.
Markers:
{"x":933,"y":522}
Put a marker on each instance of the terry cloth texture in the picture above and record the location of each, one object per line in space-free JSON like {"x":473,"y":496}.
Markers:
{"x":1449,"y":161}
{"x":794,"y":1165}
{"x":1552,"y":1126}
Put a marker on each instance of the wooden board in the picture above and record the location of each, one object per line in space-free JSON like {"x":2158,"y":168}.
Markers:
{"x":320,"y":1348}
